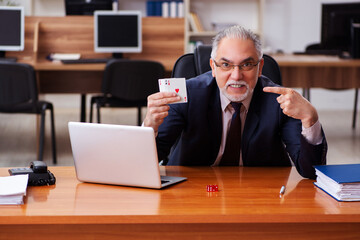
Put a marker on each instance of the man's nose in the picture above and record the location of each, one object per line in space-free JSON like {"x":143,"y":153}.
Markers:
{"x":237,"y":72}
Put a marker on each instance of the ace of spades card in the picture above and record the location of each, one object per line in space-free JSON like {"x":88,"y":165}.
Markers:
{"x":177,"y":85}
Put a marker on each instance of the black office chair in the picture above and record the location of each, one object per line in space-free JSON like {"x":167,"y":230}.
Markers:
{"x":194,"y":64}
{"x":19,"y":94}
{"x":127,"y":83}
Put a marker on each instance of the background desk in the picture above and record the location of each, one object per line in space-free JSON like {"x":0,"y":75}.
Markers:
{"x":316,"y":71}
{"x":297,"y":72}
{"x":247,"y":206}
{"x":163,"y":41}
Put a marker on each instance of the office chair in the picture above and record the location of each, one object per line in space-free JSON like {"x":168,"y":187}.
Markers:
{"x":19,"y":94}
{"x":127,"y":83}
{"x":193,"y":64}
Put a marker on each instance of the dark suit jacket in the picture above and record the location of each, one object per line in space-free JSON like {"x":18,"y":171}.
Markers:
{"x":193,"y":131}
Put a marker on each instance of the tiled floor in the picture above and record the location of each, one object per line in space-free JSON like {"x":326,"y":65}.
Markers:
{"x":18,"y":135}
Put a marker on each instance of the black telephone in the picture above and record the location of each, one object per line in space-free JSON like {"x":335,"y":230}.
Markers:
{"x":38,"y":174}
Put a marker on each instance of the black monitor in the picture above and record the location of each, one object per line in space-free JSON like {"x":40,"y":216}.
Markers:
{"x":86,"y":7}
{"x":338,"y":27}
{"x":117,"y":32}
{"x":11,"y":30}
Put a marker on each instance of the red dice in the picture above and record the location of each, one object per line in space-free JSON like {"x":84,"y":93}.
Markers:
{"x":212,"y":188}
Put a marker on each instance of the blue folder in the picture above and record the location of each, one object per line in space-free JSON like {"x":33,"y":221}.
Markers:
{"x":342,"y":173}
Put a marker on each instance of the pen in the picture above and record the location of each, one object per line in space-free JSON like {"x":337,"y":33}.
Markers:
{"x":282,"y":190}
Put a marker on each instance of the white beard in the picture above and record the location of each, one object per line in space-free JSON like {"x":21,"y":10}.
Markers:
{"x":236,"y":98}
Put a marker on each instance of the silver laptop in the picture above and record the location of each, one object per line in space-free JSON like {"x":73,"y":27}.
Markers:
{"x":117,"y":154}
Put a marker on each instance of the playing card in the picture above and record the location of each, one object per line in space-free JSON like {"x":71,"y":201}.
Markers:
{"x":177,"y":85}
{"x":163,"y":83}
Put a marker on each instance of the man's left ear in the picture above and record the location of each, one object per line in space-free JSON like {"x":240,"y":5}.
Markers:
{"x":261,"y":65}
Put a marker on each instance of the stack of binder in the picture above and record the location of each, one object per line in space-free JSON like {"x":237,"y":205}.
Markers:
{"x":165,"y":8}
{"x":342,"y":182}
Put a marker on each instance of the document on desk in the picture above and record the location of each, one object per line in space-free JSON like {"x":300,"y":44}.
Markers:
{"x":13,"y":189}
{"x":342,"y":181}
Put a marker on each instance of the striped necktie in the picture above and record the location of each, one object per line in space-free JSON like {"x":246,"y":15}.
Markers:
{"x":231,"y":156}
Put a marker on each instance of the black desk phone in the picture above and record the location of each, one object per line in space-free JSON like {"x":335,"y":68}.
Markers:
{"x":38,"y":174}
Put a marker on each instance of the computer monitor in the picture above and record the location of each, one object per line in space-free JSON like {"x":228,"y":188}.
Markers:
{"x":86,"y":7}
{"x":337,"y":25}
{"x":117,"y":32}
{"x":11,"y":30}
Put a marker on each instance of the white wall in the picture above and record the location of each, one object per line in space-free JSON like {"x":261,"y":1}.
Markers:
{"x":42,"y":7}
{"x":289,"y":25}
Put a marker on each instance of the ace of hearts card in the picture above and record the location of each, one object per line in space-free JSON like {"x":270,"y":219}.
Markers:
{"x":177,"y":85}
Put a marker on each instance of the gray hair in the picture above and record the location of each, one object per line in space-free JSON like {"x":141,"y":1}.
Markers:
{"x":237,"y":32}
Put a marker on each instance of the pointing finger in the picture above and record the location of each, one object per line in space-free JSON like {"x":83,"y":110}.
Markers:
{"x":277,"y":90}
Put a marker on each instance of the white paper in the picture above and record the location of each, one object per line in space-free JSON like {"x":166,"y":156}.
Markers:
{"x":65,"y":56}
{"x":13,"y":189}
{"x":340,"y":191}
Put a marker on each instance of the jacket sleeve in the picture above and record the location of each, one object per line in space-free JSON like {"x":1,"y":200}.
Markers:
{"x":304,"y":155}
{"x":170,"y":130}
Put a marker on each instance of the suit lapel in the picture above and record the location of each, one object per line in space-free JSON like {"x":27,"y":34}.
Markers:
{"x":214,"y":121}
{"x":251,"y":122}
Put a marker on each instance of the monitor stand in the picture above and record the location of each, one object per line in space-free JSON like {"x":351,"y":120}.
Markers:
{"x":6,"y":59}
{"x":117,"y":55}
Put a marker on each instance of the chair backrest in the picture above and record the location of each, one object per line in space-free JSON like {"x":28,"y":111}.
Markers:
{"x":193,"y":64}
{"x":184,"y":67}
{"x":132,"y":80}
{"x":202,"y":58}
{"x":17,"y":84}
{"x":271,"y":69}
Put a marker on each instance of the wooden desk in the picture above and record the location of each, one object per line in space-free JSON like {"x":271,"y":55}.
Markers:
{"x":313,"y":71}
{"x":247,"y":206}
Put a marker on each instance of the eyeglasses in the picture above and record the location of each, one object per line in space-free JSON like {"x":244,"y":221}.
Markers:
{"x":225,"y":66}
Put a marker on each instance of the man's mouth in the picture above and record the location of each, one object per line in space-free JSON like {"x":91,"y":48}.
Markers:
{"x":239,"y":85}
{"x":236,"y":90}
{"x":236,"y":85}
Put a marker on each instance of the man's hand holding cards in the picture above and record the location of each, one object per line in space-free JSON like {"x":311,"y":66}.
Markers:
{"x":176,"y":85}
